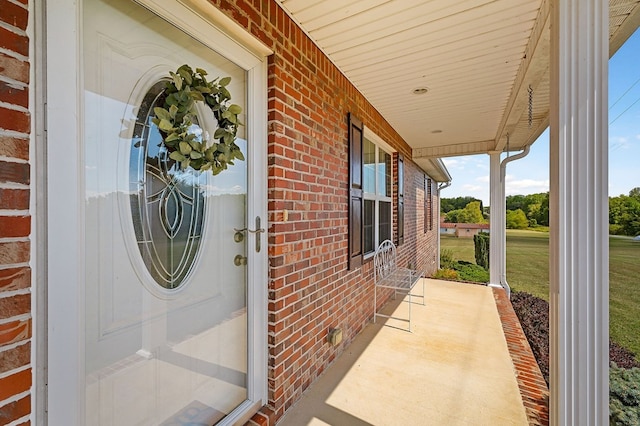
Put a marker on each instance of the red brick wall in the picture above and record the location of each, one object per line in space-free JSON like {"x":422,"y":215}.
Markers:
{"x":15,"y":221}
{"x":310,"y":289}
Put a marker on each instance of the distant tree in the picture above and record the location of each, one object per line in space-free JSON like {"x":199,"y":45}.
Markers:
{"x":515,"y":202}
{"x":457,"y":203}
{"x":635,"y":193}
{"x":624,"y":214}
{"x":516,"y":219}
{"x":535,"y":206}
{"x":453,"y":216}
{"x":471,"y":213}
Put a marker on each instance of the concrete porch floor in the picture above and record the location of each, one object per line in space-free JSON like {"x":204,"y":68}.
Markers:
{"x":454,"y":368}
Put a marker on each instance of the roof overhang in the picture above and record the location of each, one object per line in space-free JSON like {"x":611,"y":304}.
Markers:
{"x":452,"y":78}
{"x":435,"y":168}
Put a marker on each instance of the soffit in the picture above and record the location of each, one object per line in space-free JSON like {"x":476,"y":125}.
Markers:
{"x":482,"y":62}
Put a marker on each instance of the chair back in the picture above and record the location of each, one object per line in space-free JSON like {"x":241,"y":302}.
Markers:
{"x":384,"y":260}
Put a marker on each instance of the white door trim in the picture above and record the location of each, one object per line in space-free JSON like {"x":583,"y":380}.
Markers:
{"x":65,"y":193}
{"x":65,"y":267}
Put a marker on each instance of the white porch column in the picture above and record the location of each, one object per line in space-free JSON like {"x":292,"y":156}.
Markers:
{"x":496,"y":220}
{"x":579,"y":253}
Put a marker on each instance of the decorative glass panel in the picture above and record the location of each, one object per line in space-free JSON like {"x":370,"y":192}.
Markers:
{"x":167,"y":204}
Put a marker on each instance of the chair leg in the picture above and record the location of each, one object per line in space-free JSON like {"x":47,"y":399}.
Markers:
{"x":410,"y":310}
{"x":375,"y":302}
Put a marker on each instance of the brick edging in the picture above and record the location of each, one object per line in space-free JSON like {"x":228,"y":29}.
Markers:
{"x":533,"y":388}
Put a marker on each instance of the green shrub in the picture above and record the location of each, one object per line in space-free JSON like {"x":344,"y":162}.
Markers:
{"x":446,"y":259}
{"x":469,"y":272}
{"x":446,"y":274}
{"x":516,"y":219}
{"x":624,"y":396}
{"x":615,"y":229}
{"x":481,"y":244}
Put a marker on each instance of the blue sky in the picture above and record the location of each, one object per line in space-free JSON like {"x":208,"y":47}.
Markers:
{"x":531,"y":174}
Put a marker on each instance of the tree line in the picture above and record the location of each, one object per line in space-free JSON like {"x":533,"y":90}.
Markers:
{"x":624,"y":213}
{"x":530,"y":211}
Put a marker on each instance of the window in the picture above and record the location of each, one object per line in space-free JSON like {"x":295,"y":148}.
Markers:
{"x":377,"y":196}
{"x":370,"y":192}
{"x":400,"y":211}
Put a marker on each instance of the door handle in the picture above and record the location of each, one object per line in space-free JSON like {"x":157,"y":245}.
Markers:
{"x":259,"y":230}
{"x":238,"y":233}
{"x":239,"y":236}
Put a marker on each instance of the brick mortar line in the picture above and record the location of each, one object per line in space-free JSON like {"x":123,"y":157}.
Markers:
{"x":14,"y":107}
{"x":14,"y":398}
{"x":7,"y":294}
{"x":7,"y":240}
{"x":15,"y":371}
{"x":14,"y":345}
{"x":15,"y":134}
{"x":24,"y":6}
{"x":14,"y":29}
{"x":14,"y":213}
{"x":14,"y":83}
{"x":17,"y":318}
{"x":535,"y":416}
{"x":22,"y":421}
{"x":4,"y":266}
{"x":14,"y":185}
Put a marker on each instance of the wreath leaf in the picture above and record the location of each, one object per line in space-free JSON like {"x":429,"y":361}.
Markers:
{"x":165,"y":125}
{"x":172,"y":137}
{"x":162,"y":113}
{"x":184,"y":89}
{"x":175,"y":155}
{"x":177,"y":81}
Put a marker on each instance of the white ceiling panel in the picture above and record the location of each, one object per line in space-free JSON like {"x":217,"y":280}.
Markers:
{"x":476,"y":57}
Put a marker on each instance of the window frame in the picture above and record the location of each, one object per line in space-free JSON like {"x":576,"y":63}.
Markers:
{"x":380,"y":144}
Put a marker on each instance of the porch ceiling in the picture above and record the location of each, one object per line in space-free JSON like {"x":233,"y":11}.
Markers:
{"x":479,"y":60}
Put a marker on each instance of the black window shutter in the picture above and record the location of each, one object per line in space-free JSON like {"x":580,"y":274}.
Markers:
{"x":426,"y":206}
{"x":356,"y":199}
{"x":430,"y":200}
{"x":400,"y":239}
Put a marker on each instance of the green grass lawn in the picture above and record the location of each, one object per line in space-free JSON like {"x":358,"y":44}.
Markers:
{"x":528,"y":270}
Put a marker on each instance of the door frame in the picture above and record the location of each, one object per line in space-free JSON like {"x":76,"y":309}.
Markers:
{"x":64,"y":195}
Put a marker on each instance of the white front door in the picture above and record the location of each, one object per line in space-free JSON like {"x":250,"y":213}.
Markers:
{"x":169,"y":262}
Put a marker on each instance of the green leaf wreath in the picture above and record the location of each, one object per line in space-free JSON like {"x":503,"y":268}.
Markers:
{"x":176,"y":121}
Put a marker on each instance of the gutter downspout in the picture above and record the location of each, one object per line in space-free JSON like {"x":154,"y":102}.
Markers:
{"x":440,"y":188}
{"x":503,"y":254}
